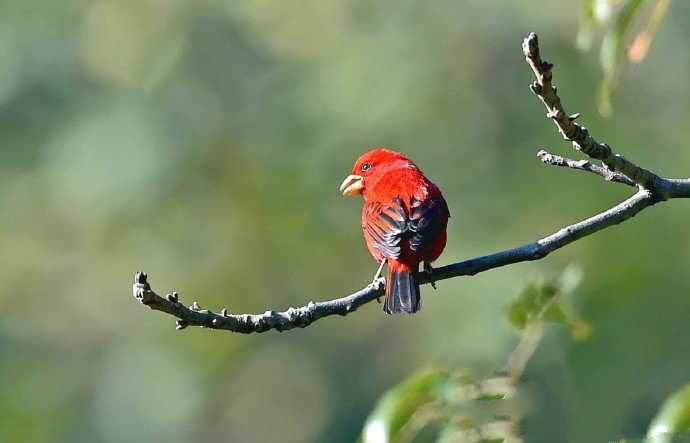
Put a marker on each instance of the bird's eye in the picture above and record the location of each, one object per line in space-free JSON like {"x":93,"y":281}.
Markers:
{"x":366,"y":167}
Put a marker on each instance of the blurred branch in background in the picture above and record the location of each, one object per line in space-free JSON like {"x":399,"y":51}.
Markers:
{"x":620,"y":18}
{"x":652,"y":189}
{"x":451,"y":406}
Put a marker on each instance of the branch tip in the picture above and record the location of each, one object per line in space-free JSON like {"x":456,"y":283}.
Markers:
{"x":530,"y":45}
{"x":140,"y":277}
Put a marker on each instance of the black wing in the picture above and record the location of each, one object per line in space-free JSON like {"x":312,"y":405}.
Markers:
{"x":428,"y":220}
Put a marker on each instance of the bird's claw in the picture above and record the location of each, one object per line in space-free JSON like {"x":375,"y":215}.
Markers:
{"x":430,"y":272}
{"x":376,"y":283}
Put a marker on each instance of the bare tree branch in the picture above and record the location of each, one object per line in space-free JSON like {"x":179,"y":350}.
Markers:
{"x":570,"y":130}
{"x":618,"y":167}
{"x":584,"y":165}
{"x":652,"y":189}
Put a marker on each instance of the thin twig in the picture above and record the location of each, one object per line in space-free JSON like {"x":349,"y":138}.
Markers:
{"x":584,"y":165}
{"x":652,"y":189}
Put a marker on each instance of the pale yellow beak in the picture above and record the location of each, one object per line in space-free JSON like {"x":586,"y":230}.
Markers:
{"x":352,"y":185}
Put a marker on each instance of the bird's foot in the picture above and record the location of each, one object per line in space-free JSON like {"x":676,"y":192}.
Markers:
{"x":375,"y":281}
{"x":378,"y":271}
{"x":430,"y":272}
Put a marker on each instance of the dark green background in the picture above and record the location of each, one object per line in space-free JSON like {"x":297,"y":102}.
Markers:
{"x":204,"y":142}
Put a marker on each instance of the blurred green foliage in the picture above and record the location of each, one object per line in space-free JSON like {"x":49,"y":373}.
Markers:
{"x":431,"y":405}
{"x":438,"y":398}
{"x":672,"y":423}
{"x":544,"y":300}
{"x":415,"y":397}
{"x":204,"y":142}
{"x":621,"y":20}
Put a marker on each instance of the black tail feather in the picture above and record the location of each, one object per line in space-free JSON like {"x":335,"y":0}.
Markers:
{"x":402,"y":293}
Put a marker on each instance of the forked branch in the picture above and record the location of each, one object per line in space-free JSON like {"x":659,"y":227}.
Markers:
{"x":652,"y":189}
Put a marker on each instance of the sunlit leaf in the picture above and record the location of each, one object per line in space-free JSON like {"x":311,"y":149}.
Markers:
{"x":672,"y":418}
{"x":615,"y":39}
{"x":640,"y":47}
{"x":612,"y":48}
{"x":400,"y":404}
{"x":602,"y":10}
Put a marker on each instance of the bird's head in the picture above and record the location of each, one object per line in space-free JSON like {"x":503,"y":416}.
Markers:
{"x":370,"y":167}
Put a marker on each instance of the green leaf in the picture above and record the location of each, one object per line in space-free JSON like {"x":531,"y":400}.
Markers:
{"x":397,"y":407}
{"x":555,"y":314}
{"x":672,"y":418}
{"x":528,"y":306}
{"x":517,"y":315}
{"x":615,"y":39}
{"x":612,"y":48}
{"x":541,"y":301}
{"x":532,"y":304}
{"x":585,"y":35}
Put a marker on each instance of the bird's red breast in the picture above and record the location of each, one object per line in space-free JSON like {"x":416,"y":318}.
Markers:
{"x":405,"y":215}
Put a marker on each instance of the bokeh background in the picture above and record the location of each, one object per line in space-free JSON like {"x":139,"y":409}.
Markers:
{"x":204,"y":142}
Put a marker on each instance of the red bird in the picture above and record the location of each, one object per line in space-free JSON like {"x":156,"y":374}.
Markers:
{"x":404,"y":222}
